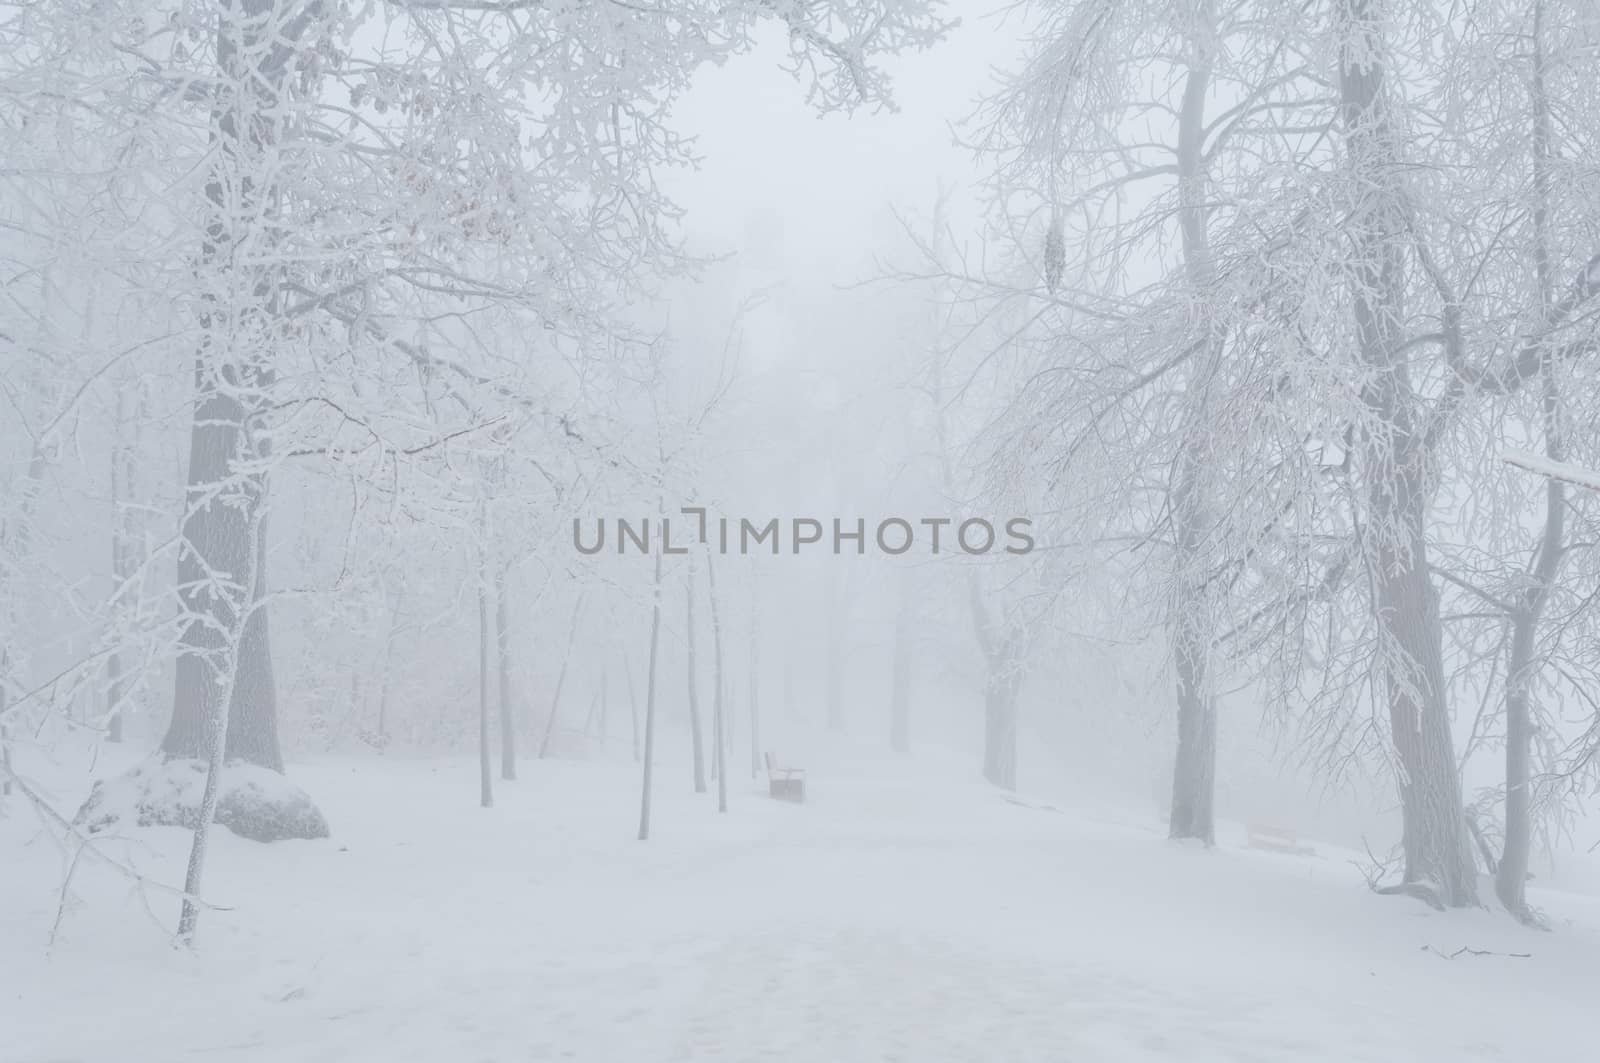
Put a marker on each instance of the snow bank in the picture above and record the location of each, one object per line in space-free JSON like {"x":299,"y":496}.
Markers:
{"x":254,"y":802}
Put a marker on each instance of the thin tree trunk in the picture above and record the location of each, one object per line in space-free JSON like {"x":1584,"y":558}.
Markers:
{"x":5,"y":731}
{"x":508,"y":723}
{"x":1437,"y":850}
{"x":216,"y":739}
{"x":388,"y":665}
{"x":485,"y":776}
{"x":650,"y":703}
{"x":694,"y":690}
{"x":358,"y":701}
{"x":755,"y":681}
{"x":835,"y":644}
{"x":126,"y":551}
{"x":594,"y":711}
{"x":717,"y":718}
{"x":900,"y":678}
{"x":561,"y":679}
{"x":791,"y":708}
{"x":120,"y":465}
{"x":633,"y":703}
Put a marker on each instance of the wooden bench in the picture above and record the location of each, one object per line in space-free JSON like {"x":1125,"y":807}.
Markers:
{"x":1277,"y":839}
{"x":785,"y":784}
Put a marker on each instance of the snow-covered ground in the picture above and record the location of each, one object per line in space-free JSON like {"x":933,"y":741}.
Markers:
{"x":903,"y":913}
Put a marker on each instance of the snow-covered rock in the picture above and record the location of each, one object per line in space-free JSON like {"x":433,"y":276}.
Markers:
{"x":254,"y":802}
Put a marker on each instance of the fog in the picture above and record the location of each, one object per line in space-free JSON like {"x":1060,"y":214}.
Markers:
{"x":832,"y":530}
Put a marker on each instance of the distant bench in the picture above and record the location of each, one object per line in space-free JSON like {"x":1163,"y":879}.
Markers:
{"x":1277,"y":839}
{"x":785,"y":784}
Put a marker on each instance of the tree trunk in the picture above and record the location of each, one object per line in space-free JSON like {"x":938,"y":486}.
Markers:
{"x":388,"y":665}
{"x":215,"y":742}
{"x":650,"y":704}
{"x":791,"y":708}
{"x":215,"y":541}
{"x":224,"y":674}
{"x":561,"y":679}
{"x":1000,"y":724}
{"x":1511,"y":875}
{"x":114,"y":693}
{"x":717,"y":720}
{"x":755,"y":682}
{"x":1437,"y":850}
{"x":835,"y":663}
{"x":485,"y":776}
{"x":1194,"y":775}
{"x":19,"y":530}
{"x":126,"y":553}
{"x":900,"y":679}
{"x":694,"y":691}
{"x":508,"y":723}
{"x":633,"y":704}
{"x":1194,"y":771}
{"x":233,"y":371}
{"x":5,"y":732}
{"x":1512,"y":872}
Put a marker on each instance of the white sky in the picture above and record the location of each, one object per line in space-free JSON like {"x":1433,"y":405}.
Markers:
{"x":829,"y":180}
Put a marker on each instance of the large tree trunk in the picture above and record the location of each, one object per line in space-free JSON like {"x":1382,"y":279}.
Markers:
{"x":1194,"y":771}
{"x":1511,"y":874}
{"x":216,"y":540}
{"x":233,"y":371}
{"x":19,"y":531}
{"x":1001,"y":645}
{"x":1437,"y":851}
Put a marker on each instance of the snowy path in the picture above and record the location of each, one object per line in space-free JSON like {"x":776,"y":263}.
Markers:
{"x":889,"y":920}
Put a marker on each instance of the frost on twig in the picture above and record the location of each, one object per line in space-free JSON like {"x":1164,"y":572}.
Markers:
{"x":1555,"y":470}
{"x":1467,"y":950}
{"x":75,"y":842}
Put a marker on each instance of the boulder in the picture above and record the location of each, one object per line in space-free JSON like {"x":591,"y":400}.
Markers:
{"x":254,"y":802}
